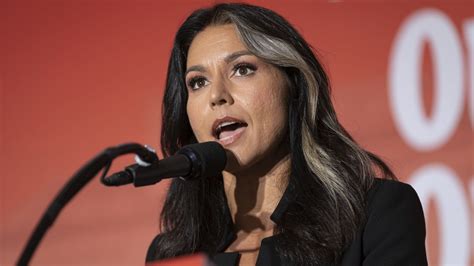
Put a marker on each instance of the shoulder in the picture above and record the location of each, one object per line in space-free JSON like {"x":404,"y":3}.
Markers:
{"x":390,"y":200}
{"x":395,"y":228}
{"x":392,"y":195}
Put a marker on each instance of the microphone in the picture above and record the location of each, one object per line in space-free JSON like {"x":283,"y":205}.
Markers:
{"x":193,"y":161}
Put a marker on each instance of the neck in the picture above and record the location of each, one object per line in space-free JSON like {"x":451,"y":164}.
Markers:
{"x":253,"y":195}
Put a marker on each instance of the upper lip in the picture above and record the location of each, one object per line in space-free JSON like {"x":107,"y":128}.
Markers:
{"x":215,"y":126}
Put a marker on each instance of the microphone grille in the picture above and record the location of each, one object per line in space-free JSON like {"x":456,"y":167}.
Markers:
{"x":208,"y":159}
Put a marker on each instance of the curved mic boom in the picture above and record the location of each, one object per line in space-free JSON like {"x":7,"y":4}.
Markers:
{"x":192,"y":161}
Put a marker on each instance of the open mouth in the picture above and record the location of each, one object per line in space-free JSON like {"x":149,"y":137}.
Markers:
{"x":228,"y":129}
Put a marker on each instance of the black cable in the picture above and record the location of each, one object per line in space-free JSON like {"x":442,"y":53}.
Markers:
{"x":74,"y":185}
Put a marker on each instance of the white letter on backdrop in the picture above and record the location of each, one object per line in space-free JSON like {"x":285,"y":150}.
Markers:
{"x":440,"y":183}
{"x":435,"y":28}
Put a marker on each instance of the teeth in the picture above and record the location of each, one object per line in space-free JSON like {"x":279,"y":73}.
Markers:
{"x":226,"y":124}
{"x":220,"y":126}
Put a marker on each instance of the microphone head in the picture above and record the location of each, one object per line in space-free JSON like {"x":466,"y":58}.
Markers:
{"x":208,"y":159}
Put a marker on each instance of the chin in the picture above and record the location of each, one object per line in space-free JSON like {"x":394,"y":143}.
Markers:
{"x":234,"y":163}
{"x":238,"y":162}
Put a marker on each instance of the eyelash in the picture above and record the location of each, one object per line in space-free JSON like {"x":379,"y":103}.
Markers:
{"x":236,"y":68}
{"x":194,"y":80}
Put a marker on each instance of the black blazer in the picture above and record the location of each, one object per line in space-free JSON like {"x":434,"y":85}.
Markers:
{"x":394,"y":233}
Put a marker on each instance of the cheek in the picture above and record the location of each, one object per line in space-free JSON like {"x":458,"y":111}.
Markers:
{"x":271,"y":111}
{"x":195,"y":119}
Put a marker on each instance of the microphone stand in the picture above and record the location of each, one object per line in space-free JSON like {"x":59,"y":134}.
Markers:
{"x":74,"y":185}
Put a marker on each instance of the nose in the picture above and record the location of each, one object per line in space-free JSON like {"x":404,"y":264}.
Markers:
{"x":220,"y":94}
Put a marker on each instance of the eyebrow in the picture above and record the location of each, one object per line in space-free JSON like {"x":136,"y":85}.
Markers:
{"x":227,"y":59}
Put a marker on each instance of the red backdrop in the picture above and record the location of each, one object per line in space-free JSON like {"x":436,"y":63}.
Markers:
{"x":79,"y":76}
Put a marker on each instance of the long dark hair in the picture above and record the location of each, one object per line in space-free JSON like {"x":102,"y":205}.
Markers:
{"x":330,"y":173}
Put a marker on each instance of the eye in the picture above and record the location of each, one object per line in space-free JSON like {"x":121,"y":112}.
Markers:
{"x":196,"y":83}
{"x":244,"y":69}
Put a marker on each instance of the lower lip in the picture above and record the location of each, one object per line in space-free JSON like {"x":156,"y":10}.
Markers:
{"x":232,"y":138}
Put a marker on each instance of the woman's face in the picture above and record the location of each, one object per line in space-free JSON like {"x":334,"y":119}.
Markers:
{"x":235,"y":98}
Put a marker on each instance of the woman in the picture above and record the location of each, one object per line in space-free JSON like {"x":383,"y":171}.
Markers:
{"x":297,"y":189}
